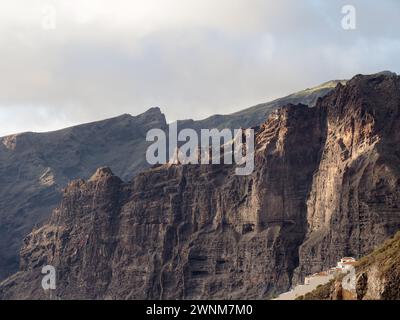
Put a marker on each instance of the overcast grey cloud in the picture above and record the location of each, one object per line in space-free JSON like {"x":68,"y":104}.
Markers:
{"x":192,"y":58}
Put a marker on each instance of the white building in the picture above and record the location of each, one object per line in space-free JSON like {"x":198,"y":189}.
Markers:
{"x":346,"y":264}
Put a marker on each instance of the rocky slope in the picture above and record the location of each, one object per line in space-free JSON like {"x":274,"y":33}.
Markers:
{"x":35,"y":167}
{"x":377,"y":277}
{"x":325,"y":185}
{"x":256,"y":115}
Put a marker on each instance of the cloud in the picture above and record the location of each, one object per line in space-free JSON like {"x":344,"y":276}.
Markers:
{"x":192,"y":58}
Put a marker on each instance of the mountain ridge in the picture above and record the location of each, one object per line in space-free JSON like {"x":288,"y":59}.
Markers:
{"x":321,"y":90}
{"x":326,"y":185}
{"x":34,"y":167}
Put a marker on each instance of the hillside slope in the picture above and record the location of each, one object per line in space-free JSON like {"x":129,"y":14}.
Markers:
{"x":377,"y":277}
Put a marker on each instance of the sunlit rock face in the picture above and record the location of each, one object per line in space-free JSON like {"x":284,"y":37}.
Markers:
{"x":35,"y":167}
{"x":354,"y":201}
{"x":325,"y":185}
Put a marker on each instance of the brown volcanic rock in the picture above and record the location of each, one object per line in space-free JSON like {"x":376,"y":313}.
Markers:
{"x":354,"y":203}
{"x":325,"y":184}
{"x":34,"y":167}
{"x":182,"y":231}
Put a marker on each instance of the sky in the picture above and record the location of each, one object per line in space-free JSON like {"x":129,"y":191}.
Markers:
{"x":68,"y":62}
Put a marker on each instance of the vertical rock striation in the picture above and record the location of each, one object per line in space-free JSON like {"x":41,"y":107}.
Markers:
{"x":325,"y":184}
{"x":354,"y":203}
{"x":34,"y":167}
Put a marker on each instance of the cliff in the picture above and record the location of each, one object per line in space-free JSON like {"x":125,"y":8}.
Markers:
{"x":34,"y":167}
{"x":325,"y":185}
{"x":354,"y":200}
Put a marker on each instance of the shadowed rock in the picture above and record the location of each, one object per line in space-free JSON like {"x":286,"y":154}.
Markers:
{"x":34,"y":167}
{"x":325,"y":185}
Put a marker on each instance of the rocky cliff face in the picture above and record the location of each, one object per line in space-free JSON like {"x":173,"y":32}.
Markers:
{"x":354,"y":202}
{"x":35,"y":167}
{"x":325,"y":185}
{"x":183,"y":231}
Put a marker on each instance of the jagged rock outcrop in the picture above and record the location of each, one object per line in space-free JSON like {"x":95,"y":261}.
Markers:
{"x":354,"y":202}
{"x":34,"y":167}
{"x":182,"y":231}
{"x":378,"y":274}
{"x":325,"y":184}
